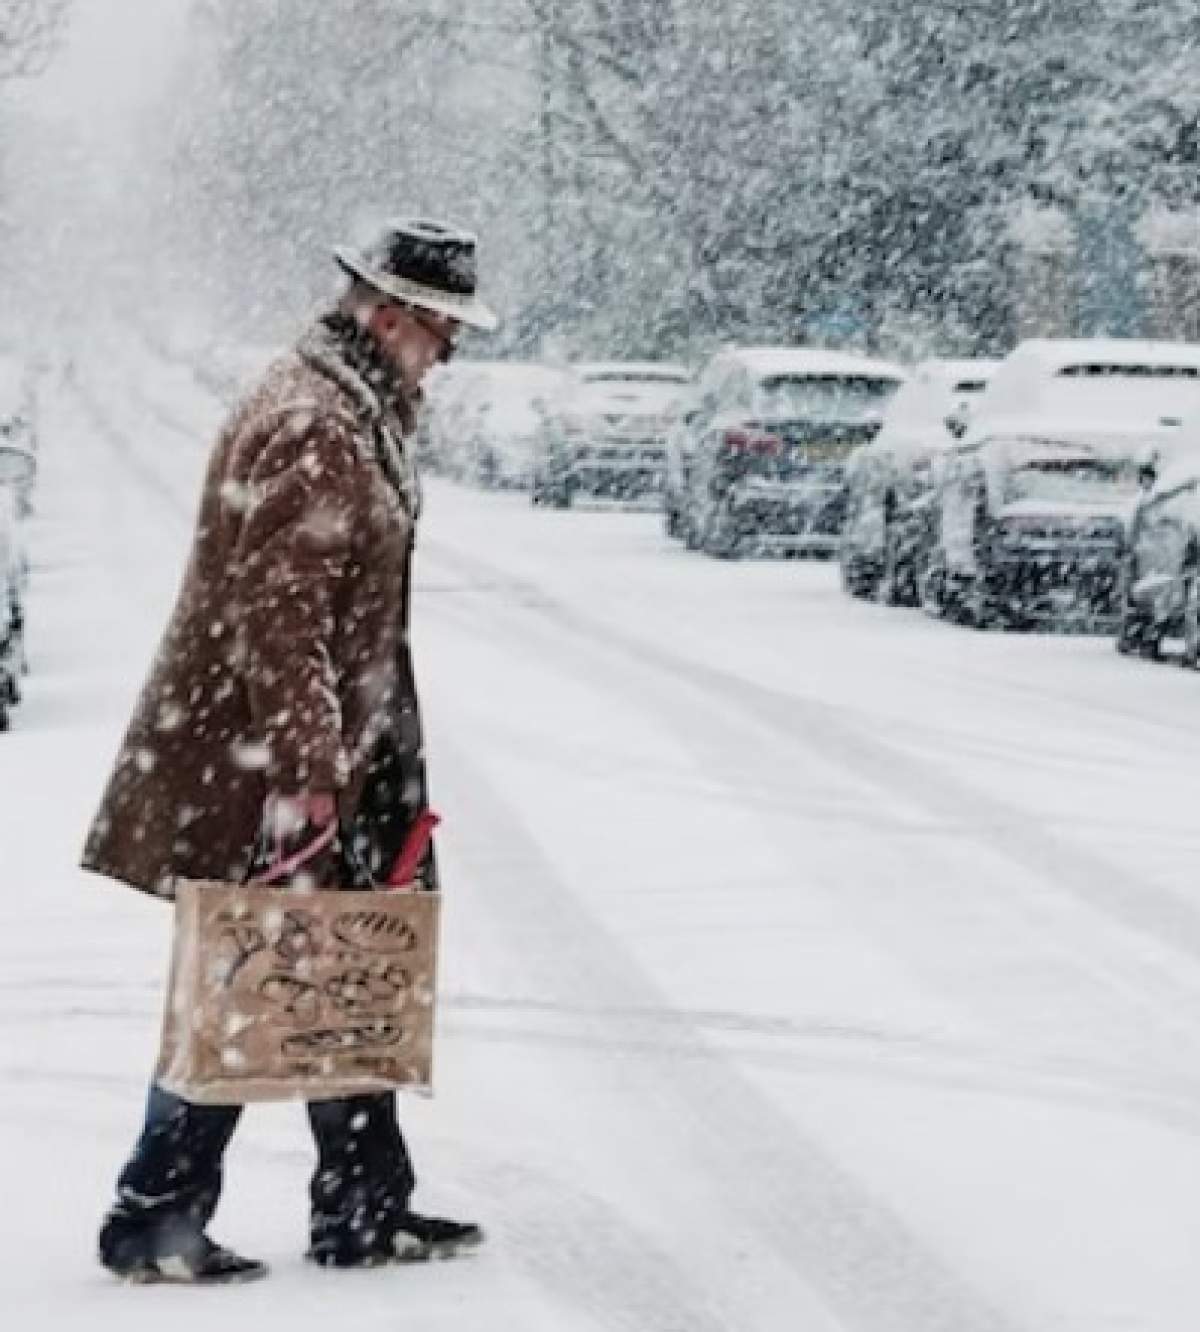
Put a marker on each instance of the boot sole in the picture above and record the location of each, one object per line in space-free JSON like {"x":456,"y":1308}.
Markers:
{"x":414,"y":1252}
{"x":153,"y":1276}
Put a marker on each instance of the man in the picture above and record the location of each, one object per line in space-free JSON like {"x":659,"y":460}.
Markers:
{"x":281,"y":705}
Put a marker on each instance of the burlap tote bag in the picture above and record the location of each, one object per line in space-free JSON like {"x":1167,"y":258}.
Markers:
{"x":276,"y":994}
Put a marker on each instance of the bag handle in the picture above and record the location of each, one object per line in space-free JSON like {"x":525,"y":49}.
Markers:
{"x":416,"y":843}
{"x":412,"y":852}
{"x":282,"y":869}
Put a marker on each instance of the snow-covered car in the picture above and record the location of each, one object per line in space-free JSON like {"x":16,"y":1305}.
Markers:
{"x":498,"y":415}
{"x":1032,"y":504}
{"x":440,"y":426}
{"x":607,"y":434}
{"x":1031,"y":530}
{"x":890,"y":486}
{"x":759,"y":458}
{"x":18,"y":468}
{"x":1160,"y":573}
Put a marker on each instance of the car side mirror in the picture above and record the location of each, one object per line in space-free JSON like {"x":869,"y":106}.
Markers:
{"x":17,"y":467}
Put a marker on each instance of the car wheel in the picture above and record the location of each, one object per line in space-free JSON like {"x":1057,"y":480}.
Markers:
{"x":979,"y":611}
{"x":1191,"y":617}
{"x":691,"y":529}
{"x":720,"y":537}
{"x":963,"y":604}
{"x":1141,"y":638}
{"x":672,"y":520}
{"x":1136,"y":634}
{"x":930,"y":578}
{"x":897,"y":584}
{"x":858,"y":580}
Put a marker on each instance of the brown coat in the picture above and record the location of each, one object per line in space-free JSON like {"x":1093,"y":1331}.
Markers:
{"x":285,"y":657}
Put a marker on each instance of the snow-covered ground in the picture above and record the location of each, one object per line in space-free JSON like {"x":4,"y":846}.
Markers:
{"x":808,"y":965}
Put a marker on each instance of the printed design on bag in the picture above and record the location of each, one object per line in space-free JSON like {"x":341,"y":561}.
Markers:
{"x":364,"y":985}
{"x":298,"y":998}
{"x":376,"y":931}
{"x":359,"y":987}
{"x":333,"y":1040}
{"x":299,"y":938}
{"x":304,"y":988}
{"x":241,"y":942}
{"x":296,"y":937}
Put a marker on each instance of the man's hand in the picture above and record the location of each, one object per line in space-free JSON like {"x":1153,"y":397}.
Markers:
{"x":284,"y":816}
{"x":298,"y":834}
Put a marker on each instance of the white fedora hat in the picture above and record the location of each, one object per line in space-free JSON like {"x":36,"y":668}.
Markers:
{"x":417,"y":261}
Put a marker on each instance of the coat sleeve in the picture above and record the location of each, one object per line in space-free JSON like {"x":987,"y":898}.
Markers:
{"x":291,"y":557}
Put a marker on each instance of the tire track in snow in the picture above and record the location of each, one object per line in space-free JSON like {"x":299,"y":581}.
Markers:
{"x":917,"y":1058}
{"x":1155,"y":1003}
{"x":129,"y":456}
{"x":805,"y":726}
{"x":775,"y":1186}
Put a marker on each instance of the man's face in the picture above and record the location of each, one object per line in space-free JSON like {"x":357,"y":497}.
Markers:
{"x":413,"y":340}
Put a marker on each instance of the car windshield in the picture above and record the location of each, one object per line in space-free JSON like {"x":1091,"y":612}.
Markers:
{"x":1073,"y":479}
{"x":824,"y":397}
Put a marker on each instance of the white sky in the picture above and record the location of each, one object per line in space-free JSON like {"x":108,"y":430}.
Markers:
{"x":118,"y":55}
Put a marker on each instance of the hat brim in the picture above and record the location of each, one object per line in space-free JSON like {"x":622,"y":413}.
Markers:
{"x":466,"y":309}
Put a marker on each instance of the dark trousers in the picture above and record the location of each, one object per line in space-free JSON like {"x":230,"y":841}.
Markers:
{"x":169,"y":1187}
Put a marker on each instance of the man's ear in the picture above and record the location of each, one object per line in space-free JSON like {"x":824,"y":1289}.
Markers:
{"x":385,"y":319}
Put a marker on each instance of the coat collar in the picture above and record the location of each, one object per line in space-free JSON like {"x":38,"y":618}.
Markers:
{"x":336,"y":349}
{"x":340,"y":350}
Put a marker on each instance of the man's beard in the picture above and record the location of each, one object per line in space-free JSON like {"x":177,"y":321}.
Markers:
{"x":369,"y":360}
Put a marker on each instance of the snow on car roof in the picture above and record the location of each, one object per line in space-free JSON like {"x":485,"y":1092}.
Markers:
{"x":957,"y":374}
{"x":932,"y":390}
{"x":633,"y":370}
{"x":517,"y":371}
{"x":914,"y":421}
{"x":765,"y":362}
{"x":1111,"y":386}
{"x":461,"y":379}
{"x":1056,"y":354}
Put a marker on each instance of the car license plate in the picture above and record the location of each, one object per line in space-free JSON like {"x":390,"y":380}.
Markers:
{"x":823,"y":450}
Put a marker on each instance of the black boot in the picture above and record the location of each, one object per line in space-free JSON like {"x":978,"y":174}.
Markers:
{"x":362,"y":1187}
{"x":149,"y":1256}
{"x":166,"y":1196}
{"x":405,"y":1238}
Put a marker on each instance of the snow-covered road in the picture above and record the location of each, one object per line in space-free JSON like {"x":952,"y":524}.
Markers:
{"x":808,"y":965}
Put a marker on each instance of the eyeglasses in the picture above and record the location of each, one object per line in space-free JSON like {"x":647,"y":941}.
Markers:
{"x":447,"y":343}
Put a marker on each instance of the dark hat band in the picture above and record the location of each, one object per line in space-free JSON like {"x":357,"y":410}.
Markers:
{"x":446,"y":264}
